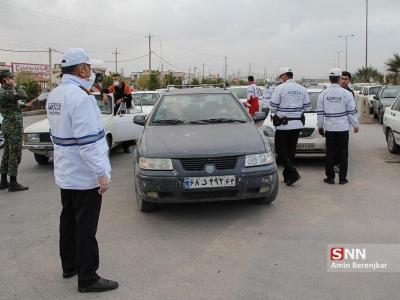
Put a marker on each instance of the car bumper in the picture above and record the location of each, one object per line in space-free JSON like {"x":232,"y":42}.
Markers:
{"x":306,"y":147}
{"x":42,"y":149}
{"x":169,"y":188}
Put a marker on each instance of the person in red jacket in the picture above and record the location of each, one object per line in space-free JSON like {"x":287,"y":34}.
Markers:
{"x":252,"y":96}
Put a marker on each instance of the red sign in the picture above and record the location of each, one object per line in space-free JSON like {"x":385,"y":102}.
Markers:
{"x":33,"y":68}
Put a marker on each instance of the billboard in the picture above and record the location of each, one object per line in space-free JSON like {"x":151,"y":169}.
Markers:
{"x":33,"y":68}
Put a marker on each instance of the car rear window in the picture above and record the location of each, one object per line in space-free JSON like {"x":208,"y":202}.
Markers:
{"x":197,"y":107}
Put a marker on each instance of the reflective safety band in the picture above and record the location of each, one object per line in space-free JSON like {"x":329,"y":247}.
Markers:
{"x":290,"y":109}
{"x":85,"y":140}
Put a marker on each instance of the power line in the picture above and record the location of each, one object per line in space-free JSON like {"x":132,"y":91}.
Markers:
{"x":163,"y":60}
{"x":126,"y":60}
{"x":20,"y":51}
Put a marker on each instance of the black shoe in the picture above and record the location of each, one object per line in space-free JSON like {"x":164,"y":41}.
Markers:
{"x":4,"y":185}
{"x":329,"y":181}
{"x":101,"y":285}
{"x":343,"y":181}
{"x":291,"y":181}
{"x":70,"y":274}
{"x":16,"y":187}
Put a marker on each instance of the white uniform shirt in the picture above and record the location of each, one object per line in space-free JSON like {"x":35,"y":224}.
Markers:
{"x":266,"y":97}
{"x":76,"y":127}
{"x":290,"y":99}
{"x":336,"y":109}
{"x":251,"y":91}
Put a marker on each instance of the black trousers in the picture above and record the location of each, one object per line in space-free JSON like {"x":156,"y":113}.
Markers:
{"x":337,"y":151}
{"x":78,"y":226}
{"x":285,"y":147}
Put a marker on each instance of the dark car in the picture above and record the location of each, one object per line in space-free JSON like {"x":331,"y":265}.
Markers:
{"x":200,"y":144}
{"x":385,"y":98}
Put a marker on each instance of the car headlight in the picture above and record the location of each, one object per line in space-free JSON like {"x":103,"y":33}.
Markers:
{"x":32,"y":138}
{"x":260,"y":159}
{"x":268,"y":131}
{"x":161,"y":164}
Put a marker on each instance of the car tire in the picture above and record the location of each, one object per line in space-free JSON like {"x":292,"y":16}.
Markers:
{"x":272,"y":197}
{"x":41,"y":159}
{"x":380,"y":116}
{"x":391,"y":142}
{"x":143,"y":205}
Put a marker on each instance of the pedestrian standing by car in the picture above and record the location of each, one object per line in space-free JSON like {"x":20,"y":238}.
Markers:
{"x":336,"y":115}
{"x":12,"y":128}
{"x":345,"y":81}
{"x":288,"y":102}
{"x":122,"y":93}
{"x":81,"y":169}
{"x":252,"y":96}
{"x":266,"y":97}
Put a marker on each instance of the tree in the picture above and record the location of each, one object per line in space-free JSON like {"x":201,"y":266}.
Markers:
{"x":27,"y":80}
{"x":154,"y":80}
{"x":393,"y":65}
{"x":366,"y":74}
{"x":142,"y":83}
{"x":169,"y":79}
{"x":195,"y":81}
{"x":107,"y":81}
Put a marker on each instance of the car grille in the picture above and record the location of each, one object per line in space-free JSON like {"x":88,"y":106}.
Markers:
{"x":306,"y":132}
{"x":45,"y":137}
{"x":220,"y":163}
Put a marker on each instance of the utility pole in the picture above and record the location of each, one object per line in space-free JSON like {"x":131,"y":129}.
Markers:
{"x":337,"y":53}
{"x":194,"y":72}
{"x":226,"y":66}
{"x":249,"y":69}
{"x":116,"y":59}
{"x":149,"y":36}
{"x":346,"y":37}
{"x":265,"y":74}
{"x":50,"y":69}
{"x":189,"y":75}
{"x":162,"y":65}
{"x":366,"y":35}
{"x":203,"y":73}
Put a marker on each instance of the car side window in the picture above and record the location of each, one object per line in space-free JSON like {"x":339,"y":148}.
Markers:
{"x":396,"y":104}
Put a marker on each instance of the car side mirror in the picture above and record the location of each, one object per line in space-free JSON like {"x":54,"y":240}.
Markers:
{"x":376,"y":97}
{"x":139,"y":120}
{"x":259,"y":116}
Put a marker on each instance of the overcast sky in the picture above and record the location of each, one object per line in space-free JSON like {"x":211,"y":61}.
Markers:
{"x":263,"y":33}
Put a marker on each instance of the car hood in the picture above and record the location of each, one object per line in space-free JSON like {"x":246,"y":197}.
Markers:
{"x":41,"y":126}
{"x":213,"y":139}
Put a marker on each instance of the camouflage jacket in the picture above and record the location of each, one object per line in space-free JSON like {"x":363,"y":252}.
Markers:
{"x":9,"y":96}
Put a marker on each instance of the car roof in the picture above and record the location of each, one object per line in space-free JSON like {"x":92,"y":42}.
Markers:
{"x":315,"y":90}
{"x":145,"y":92}
{"x":238,"y":86}
{"x":197,"y":90}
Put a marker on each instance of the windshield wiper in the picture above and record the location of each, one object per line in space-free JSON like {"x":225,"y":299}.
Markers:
{"x":223,"y":120}
{"x":169,"y":121}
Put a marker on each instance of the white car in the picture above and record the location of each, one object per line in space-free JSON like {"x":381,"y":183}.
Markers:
{"x":240,"y":92}
{"x":118,"y":128}
{"x":146,"y":99}
{"x":370,"y":92}
{"x":391,"y":126}
{"x":310,"y":143}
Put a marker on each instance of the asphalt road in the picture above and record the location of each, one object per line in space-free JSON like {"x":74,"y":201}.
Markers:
{"x":212,"y":250}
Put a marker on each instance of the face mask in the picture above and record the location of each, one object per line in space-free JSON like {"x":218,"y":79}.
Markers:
{"x":116,"y":83}
{"x":92,"y":78}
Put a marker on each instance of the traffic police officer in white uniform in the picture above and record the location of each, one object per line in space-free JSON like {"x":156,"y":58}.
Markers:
{"x":336,"y":115}
{"x":81,"y":169}
{"x":288,"y":103}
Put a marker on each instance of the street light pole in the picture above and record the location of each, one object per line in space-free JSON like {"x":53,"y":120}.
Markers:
{"x":366,"y":34}
{"x":346,"y":37}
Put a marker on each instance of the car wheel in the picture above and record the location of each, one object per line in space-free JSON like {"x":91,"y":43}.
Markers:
{"x":272,"y":197}
{"x":41,"y":159}
{"x":380,"y":116}
{"x":142,"y":204}
{"x":391,"y":142}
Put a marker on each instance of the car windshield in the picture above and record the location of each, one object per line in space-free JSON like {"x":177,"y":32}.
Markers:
{"x":313,"y":99}
{"x":374,"y":90}
{"x":145,"y":98}
{"x":199,"y":109}
{"x":391,"y":92}
{"x":104,"y":108}
{"x":240,"y":92}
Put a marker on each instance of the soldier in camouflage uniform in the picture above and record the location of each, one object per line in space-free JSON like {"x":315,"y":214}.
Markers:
{"x":12,"y":128}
